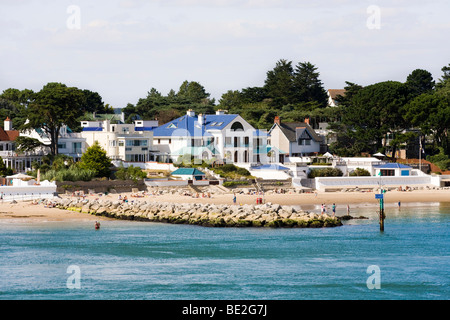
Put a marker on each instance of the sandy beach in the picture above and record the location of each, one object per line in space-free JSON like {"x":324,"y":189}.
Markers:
{"x":26,"y":211}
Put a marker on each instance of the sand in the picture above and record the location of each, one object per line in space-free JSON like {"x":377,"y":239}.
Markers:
{"x":26,"y":211}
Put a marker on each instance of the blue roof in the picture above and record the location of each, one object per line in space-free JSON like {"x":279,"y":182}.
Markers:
{"x":137,"y":129}
{"x":184,"y":124}
{"x":187,"y":172}
{"x":392,"y":166}
{"x":87,"y":129}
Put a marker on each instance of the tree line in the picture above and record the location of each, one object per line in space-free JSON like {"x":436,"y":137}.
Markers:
{"x":363,"y":119}
{"x":418,"y":108}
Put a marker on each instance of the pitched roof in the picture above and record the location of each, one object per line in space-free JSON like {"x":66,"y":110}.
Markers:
{"x":10,"y":135}
{"x":336,"y":92}
{"x":292,"y":130}
{"x":187,"y":172}
{"x":392,"y":166}
{"x":179,"y":126}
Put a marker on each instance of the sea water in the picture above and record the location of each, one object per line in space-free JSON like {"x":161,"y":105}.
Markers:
{"x":137,"y":260}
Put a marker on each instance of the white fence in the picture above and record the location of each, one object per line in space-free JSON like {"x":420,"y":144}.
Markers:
{"x":21,"y":191}
{"x":324,"y":183}
{"x":166,"y":183}
{"x":179,"y":183}
{"x":145,"y":165}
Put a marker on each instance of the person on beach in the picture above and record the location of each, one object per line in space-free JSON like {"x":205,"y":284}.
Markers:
{"x":97,"y":225}
{"x":322,"y":210}
{"x":234,"y":199}
{"x":399,"y":204}
{"x":348,"y":210}
{"x":334,"y":209}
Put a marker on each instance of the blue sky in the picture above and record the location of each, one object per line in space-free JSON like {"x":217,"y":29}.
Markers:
{"x":123,"y":48}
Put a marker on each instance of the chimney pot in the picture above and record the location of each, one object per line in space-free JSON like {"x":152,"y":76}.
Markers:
{"x":277,"y":120}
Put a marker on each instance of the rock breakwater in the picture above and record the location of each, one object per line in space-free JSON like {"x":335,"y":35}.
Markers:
{"x":207,"y":215}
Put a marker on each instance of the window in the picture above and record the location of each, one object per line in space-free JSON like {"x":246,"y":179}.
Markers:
{"x":136,"y":143}
{"x":121,"y":143}
{"x":172,"y":126}
{"x":237,"y":126}
{"x":112,"y":143}
{"x":77,"y":147}
{"x":62,"y":145}
{"x":387,"y":173}
{"x":304,"y":142}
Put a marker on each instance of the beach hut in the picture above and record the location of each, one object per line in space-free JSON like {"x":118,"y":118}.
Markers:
{"x":392,"y":170}
{"x":189,"y":174}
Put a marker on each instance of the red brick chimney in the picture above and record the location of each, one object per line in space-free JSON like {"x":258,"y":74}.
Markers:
{"x":277,"y":120}
{"x":307,"y":121}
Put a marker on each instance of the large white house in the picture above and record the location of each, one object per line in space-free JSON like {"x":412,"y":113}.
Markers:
{"x":123,"y":142}
{"x":223,"y":137}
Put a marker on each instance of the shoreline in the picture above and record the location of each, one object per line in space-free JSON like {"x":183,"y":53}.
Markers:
{"x":25,"y":211}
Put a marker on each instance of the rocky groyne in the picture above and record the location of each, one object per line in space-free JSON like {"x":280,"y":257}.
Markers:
{"x":207,"y":215}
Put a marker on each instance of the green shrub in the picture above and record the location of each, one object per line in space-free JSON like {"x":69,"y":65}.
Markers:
{"x":441,"y":160}
{"x":130,"y":173}
{"x":72,"y":174}
{"x":359,"y":172}
{"x":235,"y":183}
{"x":327,"y":172}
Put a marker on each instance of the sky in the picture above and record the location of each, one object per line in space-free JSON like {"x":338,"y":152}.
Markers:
{"x":123,"y":48}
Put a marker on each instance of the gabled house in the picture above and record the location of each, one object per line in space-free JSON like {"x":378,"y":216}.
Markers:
{"x":212,"y":137}
{"x":19,"y":162}
{"x":293,"y":139}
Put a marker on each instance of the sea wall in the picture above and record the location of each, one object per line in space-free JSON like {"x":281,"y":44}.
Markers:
{"x":207,"y":215}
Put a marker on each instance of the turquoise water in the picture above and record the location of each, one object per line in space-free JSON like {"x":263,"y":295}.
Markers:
{"x":136,"y":260}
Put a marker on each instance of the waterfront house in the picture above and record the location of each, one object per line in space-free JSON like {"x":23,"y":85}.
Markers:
{"x":189,"y":174}
{"x":18,"y":161}
{"x":122,"y":142}
{"x":392,"y":170}
{"x":218,"y":137}
{"x":293,"y":139}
